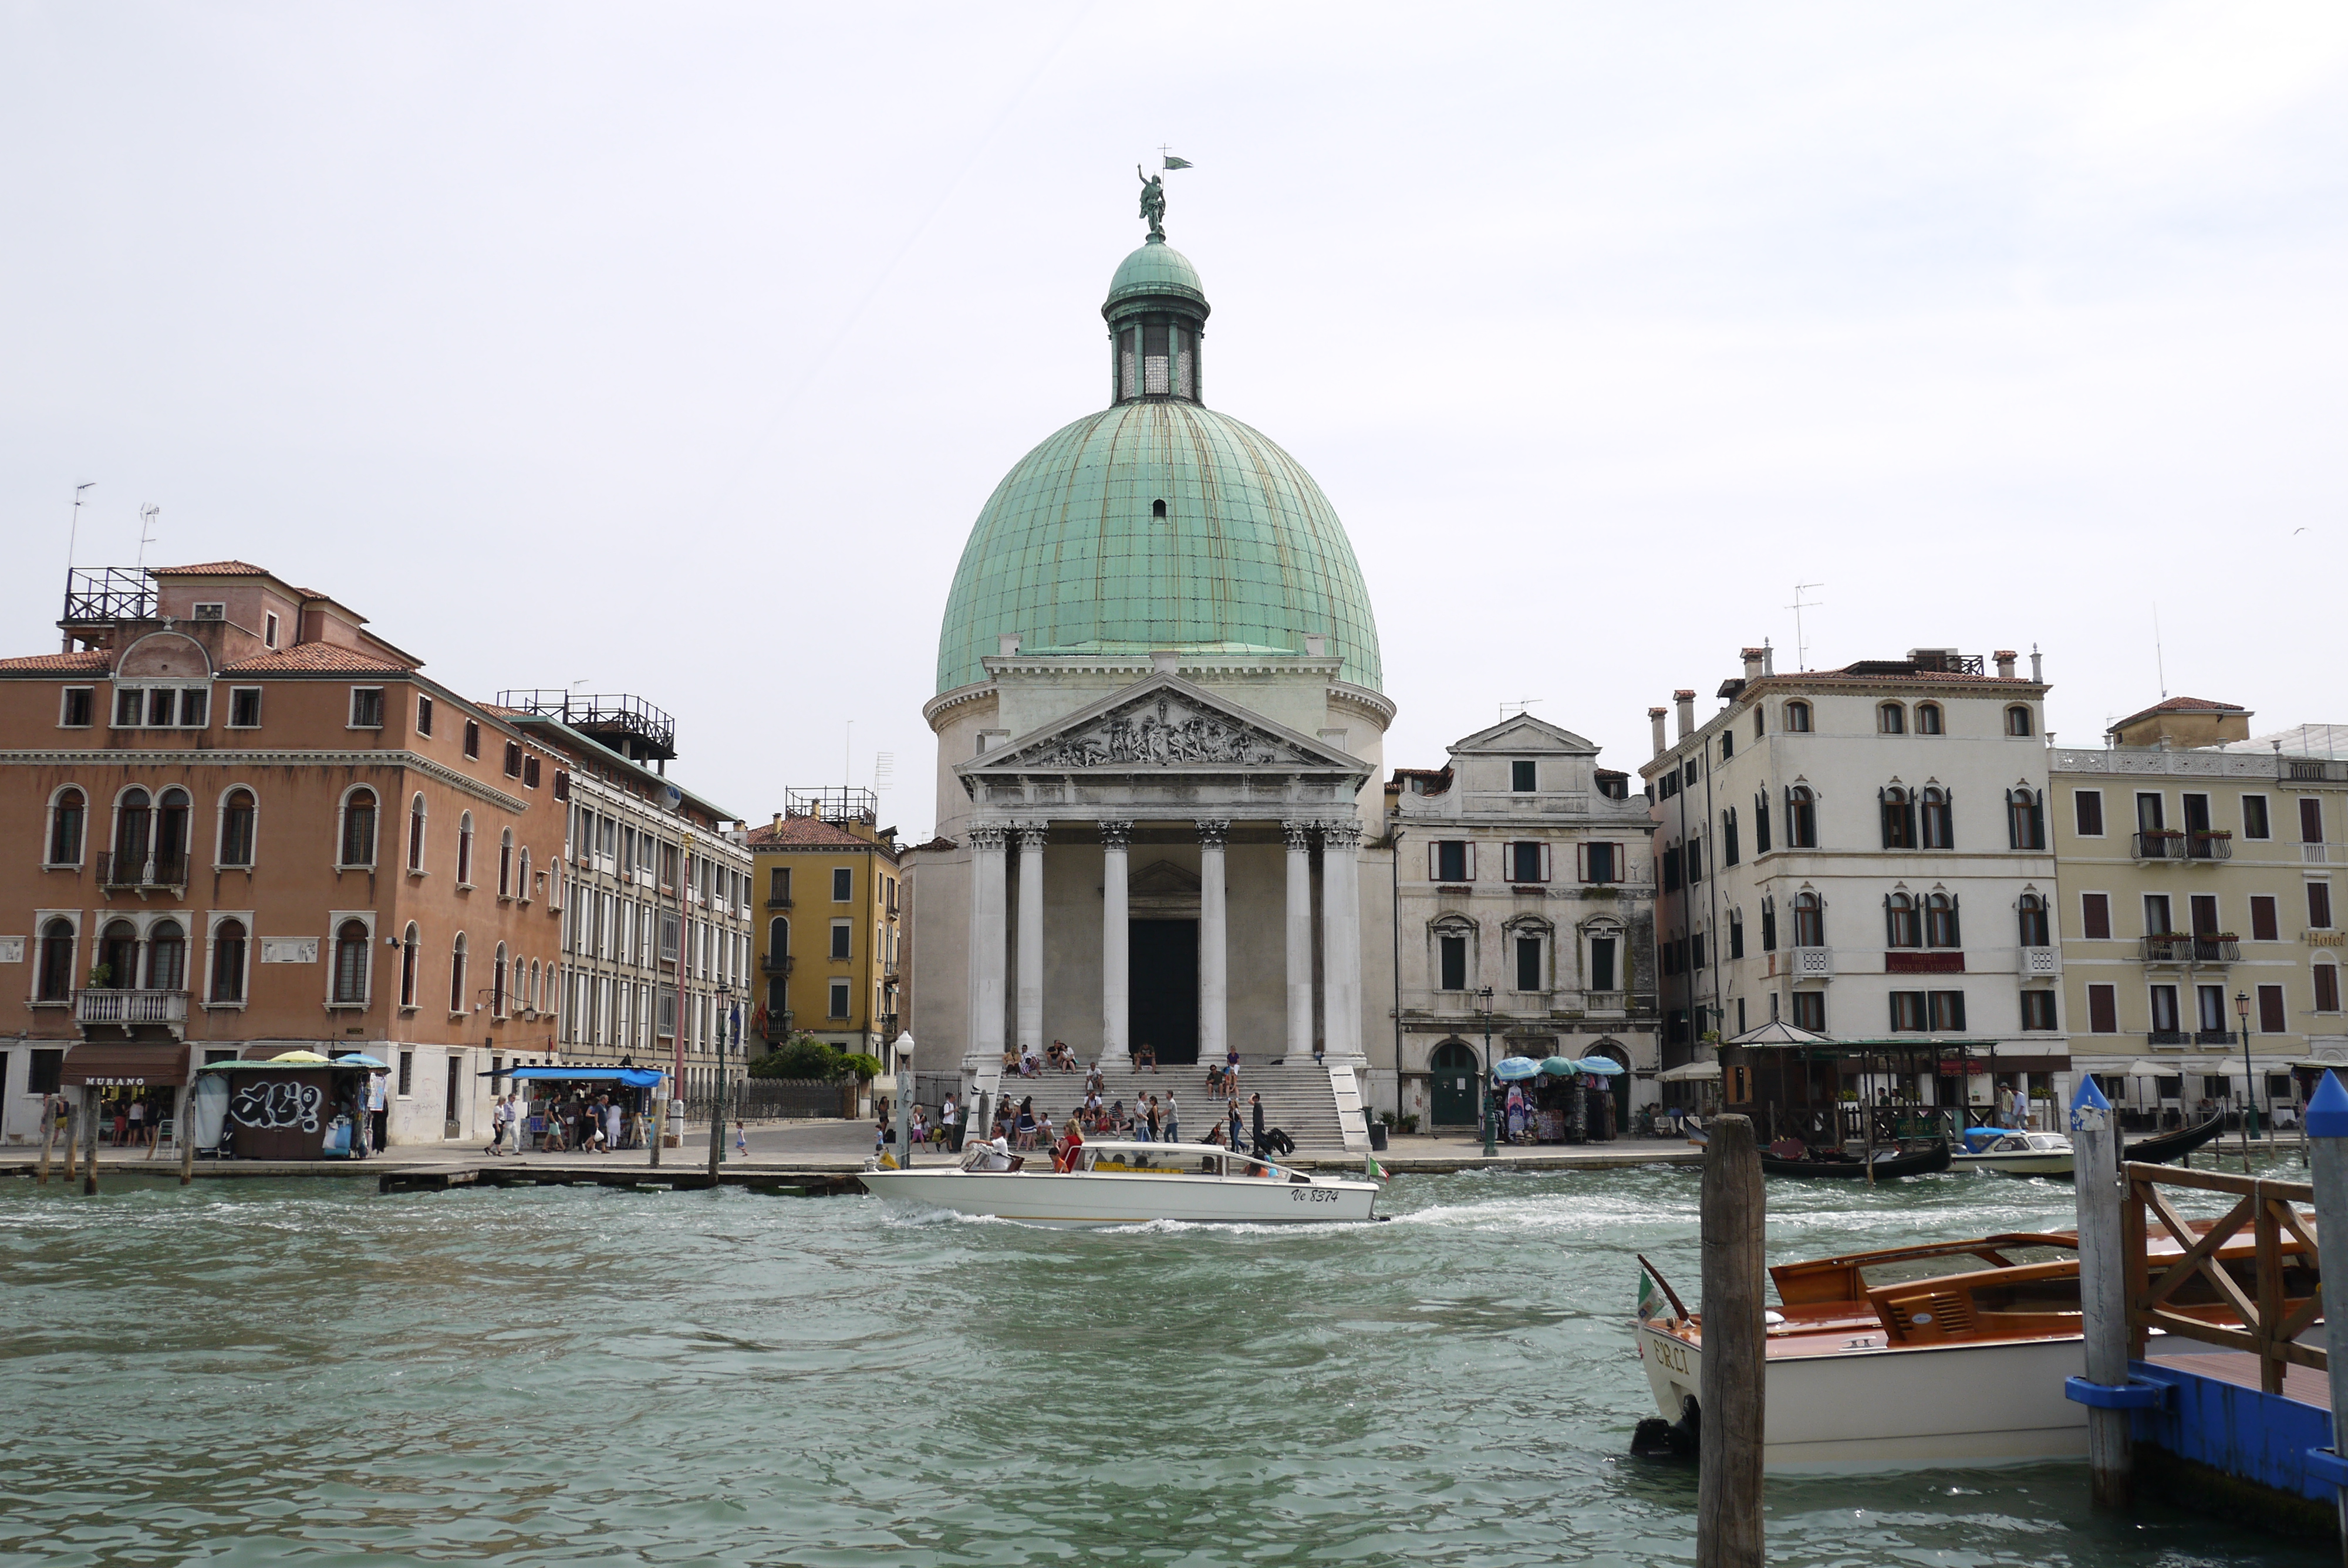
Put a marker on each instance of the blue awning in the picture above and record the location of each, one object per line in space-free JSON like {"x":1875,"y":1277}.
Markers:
{"x":630,"y":1077}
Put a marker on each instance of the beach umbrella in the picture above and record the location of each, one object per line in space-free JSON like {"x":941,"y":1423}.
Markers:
{"x":1514,"y":1067}
{"x":1605,"y":1067}
{"x":1558,"y":1067}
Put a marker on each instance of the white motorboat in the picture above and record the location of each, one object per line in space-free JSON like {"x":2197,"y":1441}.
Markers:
{"x":1123,"y":1183}
{"x":2013,"y":1153}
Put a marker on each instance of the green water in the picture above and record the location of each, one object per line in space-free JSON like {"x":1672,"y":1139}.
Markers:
{"x":248,"y":1372}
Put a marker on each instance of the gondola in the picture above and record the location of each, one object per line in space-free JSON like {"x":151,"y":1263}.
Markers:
{"x":2163,"y":1147}
{"x":1921,"y":1163}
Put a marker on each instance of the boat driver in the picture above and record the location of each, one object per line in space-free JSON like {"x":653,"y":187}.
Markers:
{"x":996,"y":1155}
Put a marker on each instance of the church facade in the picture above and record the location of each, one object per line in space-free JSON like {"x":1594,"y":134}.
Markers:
{"x":1160,"y":742}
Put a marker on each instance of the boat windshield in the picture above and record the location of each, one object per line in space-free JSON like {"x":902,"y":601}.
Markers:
{"x":1156,"y":1159}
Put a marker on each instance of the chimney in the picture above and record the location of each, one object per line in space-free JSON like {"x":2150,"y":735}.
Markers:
{"x":2037,"y":666}
{"x":1768,"y":658}
{"x":1756,"y":661}
{"x":1655,"y":721}
{"x":2004,"y":657}
{"x":1006,"y":644}
{"x":778,"y":819}
{"x":1684,"y":700}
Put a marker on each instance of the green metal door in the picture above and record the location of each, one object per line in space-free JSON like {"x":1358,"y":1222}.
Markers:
{"x":1453,"y":1103}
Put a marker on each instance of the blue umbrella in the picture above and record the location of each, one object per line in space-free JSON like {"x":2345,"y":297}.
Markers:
{"x":1605,"y":1067}
{"x":1513,"y":1068}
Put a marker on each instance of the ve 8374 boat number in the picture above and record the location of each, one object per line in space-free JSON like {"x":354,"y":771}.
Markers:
{"x":1313,"y":1194}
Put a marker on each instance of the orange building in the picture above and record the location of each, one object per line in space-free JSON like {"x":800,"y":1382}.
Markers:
{"x":235,"y":822}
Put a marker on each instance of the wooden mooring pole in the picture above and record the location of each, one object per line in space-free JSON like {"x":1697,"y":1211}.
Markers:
{"x":90,"y":1122}
{"x":2102,"y":1187}
{"x":2327,"y":1141}
{"x":48,"y":1134}
{"x":1730,"y":1384}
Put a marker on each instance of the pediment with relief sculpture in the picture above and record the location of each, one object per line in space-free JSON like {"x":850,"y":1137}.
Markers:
{"x":1163,"y":723}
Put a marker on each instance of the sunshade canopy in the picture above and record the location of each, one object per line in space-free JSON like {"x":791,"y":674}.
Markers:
{"x":1603,"y":1066}
{"x":1557,"y":1066}
{"x":629,"y":1077}
{"x":1515,"y":1067}
{"x":1690,"y":1073}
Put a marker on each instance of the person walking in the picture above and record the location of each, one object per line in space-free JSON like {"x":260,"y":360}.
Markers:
{"x":950,"y":1118}
{"x":1255,"y":1101}
{"x":1171,"y":1120}
{"x":1238,"y":1128}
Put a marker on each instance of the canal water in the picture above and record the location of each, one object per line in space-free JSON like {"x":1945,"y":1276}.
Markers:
{"x":246,"y":1372}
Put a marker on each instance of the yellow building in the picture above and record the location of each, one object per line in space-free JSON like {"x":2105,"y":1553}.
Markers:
{"x":827,"y":890}
{"x":2197,"y":865}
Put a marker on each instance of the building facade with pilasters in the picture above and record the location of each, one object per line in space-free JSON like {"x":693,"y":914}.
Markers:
{"x":1160,"y":734}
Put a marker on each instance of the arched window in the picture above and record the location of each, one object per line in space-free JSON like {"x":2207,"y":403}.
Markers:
{"x":505,"y":863}
{"x":1898,"y":818}
{"x":2025,"y":820}
{"x":1891,"y":718}
{"x":351,"y":961}
{"x":117,"y":958}
{"x":167,"y":956}
{"x":407,"y":962}
{"x":530,"y":996}
{"x":1801,"y":818}
{"x":1900,"y":927}
{"x":1941,"y":921}
{"x":2032,"y":917}
{"x":498,"y":983}
{"x":55,"y":980}
{"x":465,"y":850}
{"x":172,"y":839}
{"x":228,"y":961}
{"x":134,"y":828}
{"x":2017,"y":720}
{"x":240,"y":815}
{"x":1939,"y":825}
{"x":1927,"y":718}
{"x":416,"y":833}
{"x":358,"y":828}
{"x":521,"y":878}
{"x":1797,"y":718}
{"x":778,"y":938}
{"x":1769,"y":924}
{"x":67,"y":815}
{"x":1809,"y":921}
{"x":457,"y":975}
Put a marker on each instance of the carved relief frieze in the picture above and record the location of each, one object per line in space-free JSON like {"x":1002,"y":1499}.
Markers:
{"x":1163,"y":731}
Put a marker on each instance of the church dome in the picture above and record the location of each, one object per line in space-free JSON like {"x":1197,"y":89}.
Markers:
{"x":1157,"y":523}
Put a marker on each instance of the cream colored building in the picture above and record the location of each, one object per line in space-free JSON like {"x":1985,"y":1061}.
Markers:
{"x":2197,"y":868}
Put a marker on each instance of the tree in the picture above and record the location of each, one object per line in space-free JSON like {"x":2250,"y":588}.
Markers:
{"x":801,"y":1056}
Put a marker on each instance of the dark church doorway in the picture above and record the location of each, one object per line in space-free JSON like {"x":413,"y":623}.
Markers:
{"x":1162,"y":988}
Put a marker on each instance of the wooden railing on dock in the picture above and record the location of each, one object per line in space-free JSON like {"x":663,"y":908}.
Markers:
{"x":2264,"y":1321}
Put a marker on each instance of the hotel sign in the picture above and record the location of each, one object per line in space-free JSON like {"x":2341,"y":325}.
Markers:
{"x":2325,"y":938}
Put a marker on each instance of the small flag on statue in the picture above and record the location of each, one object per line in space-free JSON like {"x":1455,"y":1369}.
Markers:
{"x":1174,"y":162}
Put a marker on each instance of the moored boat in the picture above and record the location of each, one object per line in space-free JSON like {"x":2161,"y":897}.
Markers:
{"x":2013,"y":1151}
{"x":2162,"y":1147}
{"x":1886,"y":1164}
{"x":1117,"y":1183}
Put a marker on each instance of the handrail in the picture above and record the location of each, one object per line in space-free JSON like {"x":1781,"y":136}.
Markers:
{"x":2264,"y":1320}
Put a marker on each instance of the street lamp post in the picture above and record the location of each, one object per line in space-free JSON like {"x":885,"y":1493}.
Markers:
{"x":717,"y":1089}
{"x":1484,"y":1006}
{"x":2250,"y":1084}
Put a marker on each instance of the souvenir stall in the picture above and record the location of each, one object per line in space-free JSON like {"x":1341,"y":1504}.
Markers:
{"x":298,"y":1105}
{"x":555,"y":1099}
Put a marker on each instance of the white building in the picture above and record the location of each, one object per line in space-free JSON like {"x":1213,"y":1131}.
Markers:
{"x":1524,"y":885}
{"x":1865,"y":853}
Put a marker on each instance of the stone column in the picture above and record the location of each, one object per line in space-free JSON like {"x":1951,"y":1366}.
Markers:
{"x":1300,"y":937}
{"x":1341,"y":933}
{"x":986,"y":939}
{"x":1031,"y":936}
{"x":1113,"y":940}
{"x":1214,"y":1006}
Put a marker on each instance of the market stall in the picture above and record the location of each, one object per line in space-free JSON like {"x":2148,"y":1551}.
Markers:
{"x":563,"y":1106}
{"x":298,"y":1105}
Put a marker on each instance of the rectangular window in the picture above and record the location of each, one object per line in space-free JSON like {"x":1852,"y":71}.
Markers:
{"x":47,"y":1068}
{"x":1523,"y":777}
{"x":2038,"y":1009}
{"x":2149,"y":817}
{"x":472,"y":739}
{"x":1768,"y":925}
{"x":366,"y":707}
{"x":1453,"y":951}
{"x":2319,"y":905}
{"x":1528,"y":963}
{"x":843,"y":885}
{"x":1810,"y":1010}
{"x":839,"y":998}
{"x":513,"y":760}
{"x":1602,"y":962}
{"x":2311,"y":820}
{"x":2163,"y":1002}
{"x":1948,"y":1012}
{"x":2095,"y":915}
{"x":1696,"y":860}
{"x":1671,"y":870}
{"x":2202,"y":909}
{"x":162,"y":706}
{"x":2273,"y":1019}
{"x":1451,"y":861}
{"x":840,"y":938}
{"x":1528,"y":862}
{"x":2103,"y":1010}
{"x":2263,"y":924}
{"x":2087,"y":810}
{"x":779,"y":885}
{"x":1736,"y":938}
{"x":1602,"y":863}
{"x":407,"y":1073}
{"x":244,"y":707}
{"x":2156,"y":920}
{"x":530,"y":773}
{"x":2327,"y":988}
{"x":1728,"y":838}
{"x":195,"y":707}
{"x":1696,"y":951}
{"x":130,"y":707}
{"x":2254,"y":817}
{"x":269,"y":631}
{"x":423,"y":714}
{"x":1907,"y":1012}
{"x":668,"y":938}
{"x":80,"y":703}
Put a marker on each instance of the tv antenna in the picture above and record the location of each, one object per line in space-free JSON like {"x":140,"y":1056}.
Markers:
{"x":1802,"y":648}
{"x":1522,"y":703}
{"x":884,"y":771}
{"x":73,"y":535}
{"x":2159,"y":661}
{"x":147,"y":515}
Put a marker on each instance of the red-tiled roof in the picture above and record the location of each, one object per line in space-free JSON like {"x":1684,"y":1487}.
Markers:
{"x":2183,"y":705}
{"x":798,"y":832}
{"x":317,"y":659}
{"x":90,"y":661}
{"x":212,"y":568}
{"x":940,"y":841}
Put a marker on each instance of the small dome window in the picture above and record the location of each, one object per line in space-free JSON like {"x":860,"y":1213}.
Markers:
{"x":1157,"y":510}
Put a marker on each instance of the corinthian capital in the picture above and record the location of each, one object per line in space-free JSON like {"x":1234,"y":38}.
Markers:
{"x":1298,"y":836}
{"x":1212,"y":831}
{"x":1345,"y":834}
{"x":1115,"y":834}
{"x":988,"y":837}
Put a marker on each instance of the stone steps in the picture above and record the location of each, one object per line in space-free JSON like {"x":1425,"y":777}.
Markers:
{"x":1297,"y":1099}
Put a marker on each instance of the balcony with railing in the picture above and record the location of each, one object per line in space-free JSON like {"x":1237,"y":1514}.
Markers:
{"x":2180,"y":1038}
{"x":2042,"y":960}
{"x":2218,"y":948}
{"x":1807,"y":963}
{"x":775,"y":963}
{"x":2217,"y":845}
{"x":159,"y":870}
{"x":129,"y":1011}
{"x":2160,"y":844}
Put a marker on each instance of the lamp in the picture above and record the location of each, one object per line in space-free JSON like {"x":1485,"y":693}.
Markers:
{"x":2250,"y":1084}
{"x":1484,"y":1006}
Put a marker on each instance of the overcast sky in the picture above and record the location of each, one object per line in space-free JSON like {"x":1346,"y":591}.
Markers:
{"x":673,"y":349}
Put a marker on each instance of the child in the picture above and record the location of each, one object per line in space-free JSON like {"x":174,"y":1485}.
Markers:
{"x":741,"y":1139}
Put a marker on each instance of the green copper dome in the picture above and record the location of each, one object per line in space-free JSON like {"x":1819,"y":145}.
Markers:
{"x":1157,"y":523}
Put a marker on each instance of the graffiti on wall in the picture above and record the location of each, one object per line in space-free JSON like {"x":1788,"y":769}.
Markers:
{"x":271,"y":1105}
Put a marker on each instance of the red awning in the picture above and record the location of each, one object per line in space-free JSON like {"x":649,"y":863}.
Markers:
{"x":124,"y":1066}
